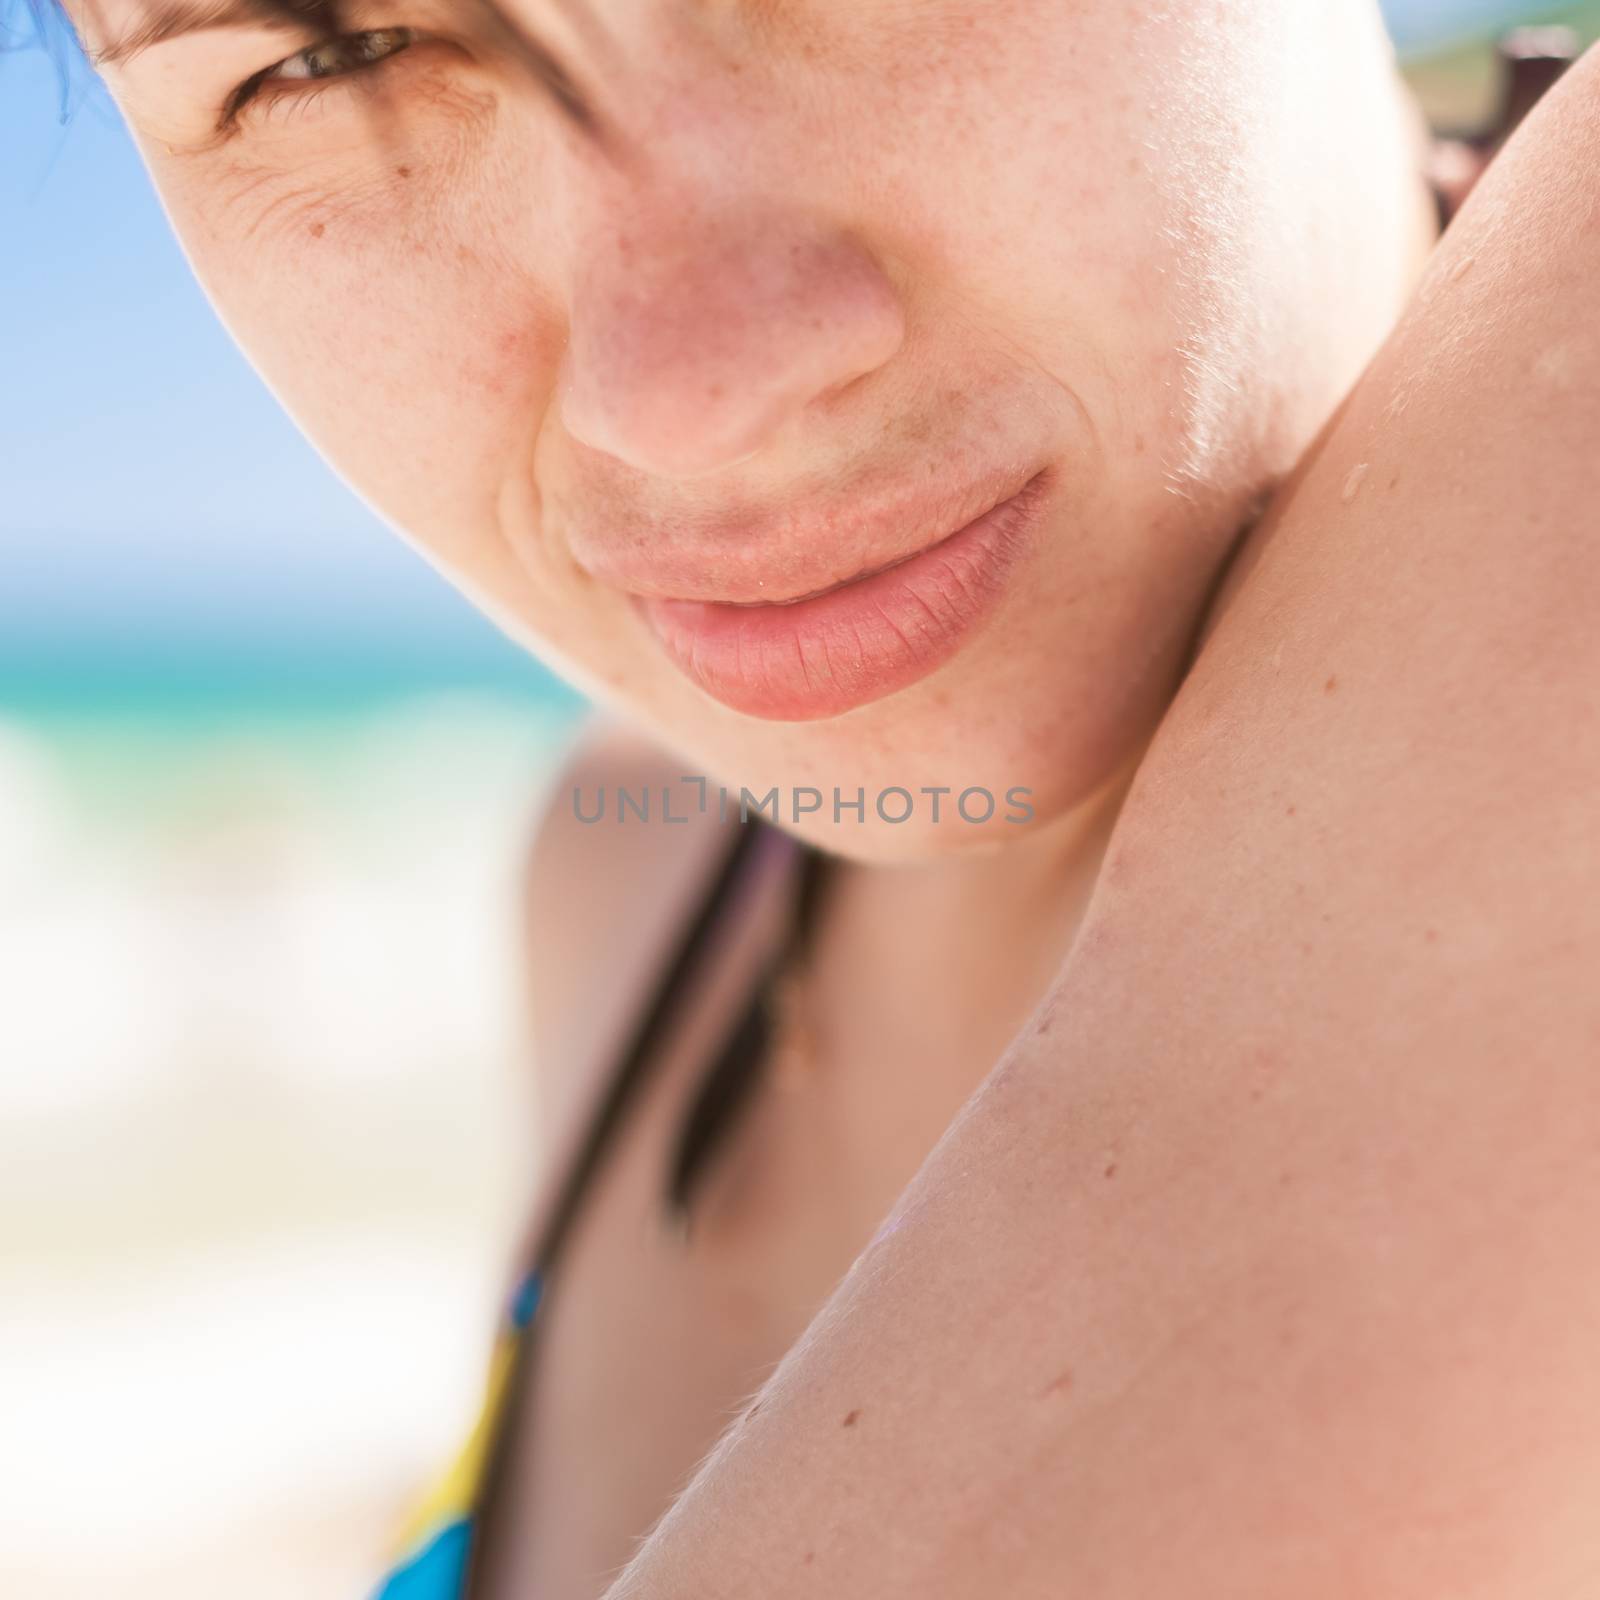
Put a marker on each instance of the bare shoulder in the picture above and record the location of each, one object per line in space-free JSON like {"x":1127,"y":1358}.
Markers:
{"x":1347,"y":942}
{"x":619,"y":851}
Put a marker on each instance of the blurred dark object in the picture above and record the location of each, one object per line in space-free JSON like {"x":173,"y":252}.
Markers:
{"x":1527,"y":62}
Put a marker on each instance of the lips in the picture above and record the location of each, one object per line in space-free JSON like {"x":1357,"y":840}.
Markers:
{"x":856,"y":641}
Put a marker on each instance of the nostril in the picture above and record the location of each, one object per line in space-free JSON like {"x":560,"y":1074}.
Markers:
{"x":684,"y":437}
{"x":846,"y":388}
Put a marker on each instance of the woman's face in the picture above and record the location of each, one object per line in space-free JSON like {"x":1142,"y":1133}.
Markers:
{"x":644,"y":319}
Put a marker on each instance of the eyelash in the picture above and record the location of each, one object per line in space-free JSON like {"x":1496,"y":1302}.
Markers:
{"x":266,"y":82}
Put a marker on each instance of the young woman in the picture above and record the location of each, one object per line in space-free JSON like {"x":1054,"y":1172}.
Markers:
{"x":1171,"y":1164}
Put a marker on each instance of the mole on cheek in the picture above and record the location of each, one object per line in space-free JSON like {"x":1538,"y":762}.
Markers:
{"x":318,"y":229}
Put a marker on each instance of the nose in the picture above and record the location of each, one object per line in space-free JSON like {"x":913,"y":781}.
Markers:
{"x":695,"y":338}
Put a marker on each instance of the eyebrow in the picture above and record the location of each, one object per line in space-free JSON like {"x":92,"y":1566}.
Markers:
{"x":174,"y":21}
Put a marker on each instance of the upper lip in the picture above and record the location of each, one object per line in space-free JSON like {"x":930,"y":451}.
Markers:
{"x":793,"y":551}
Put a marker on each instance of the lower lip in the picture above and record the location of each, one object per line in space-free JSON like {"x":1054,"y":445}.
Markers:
{"x":859,"y":642}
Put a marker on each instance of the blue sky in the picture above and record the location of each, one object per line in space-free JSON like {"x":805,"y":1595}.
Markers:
{"x":157,"y":509}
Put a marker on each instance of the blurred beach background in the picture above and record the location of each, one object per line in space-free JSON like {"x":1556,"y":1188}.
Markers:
{"x":266,"y":1116}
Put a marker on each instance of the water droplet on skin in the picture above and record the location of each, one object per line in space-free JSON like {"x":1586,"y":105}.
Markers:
{"x":1352,"y":483}
{"x":1461,"y":268}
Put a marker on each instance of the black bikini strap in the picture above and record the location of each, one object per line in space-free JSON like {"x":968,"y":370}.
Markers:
{"x":633,"y":1066}
{"x":630,"y":1074}
{"x":729,"y":1081}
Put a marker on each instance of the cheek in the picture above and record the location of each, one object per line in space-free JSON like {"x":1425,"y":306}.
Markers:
{"x":385,"y":311}
{"x":1107,"y":222}
{"x":1049,"y":223}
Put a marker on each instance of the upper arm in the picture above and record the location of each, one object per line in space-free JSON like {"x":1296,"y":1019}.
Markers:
{"x":1268,"y":1261}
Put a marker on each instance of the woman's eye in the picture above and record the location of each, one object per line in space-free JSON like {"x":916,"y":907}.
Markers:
{"x":343,"y":57}
{"x":335,"y":57}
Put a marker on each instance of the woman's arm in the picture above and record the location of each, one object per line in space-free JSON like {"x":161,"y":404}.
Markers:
{"x":1268,"y":1261}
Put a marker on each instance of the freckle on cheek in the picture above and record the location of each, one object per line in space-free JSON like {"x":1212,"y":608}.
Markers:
{"x":318,"y":229}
